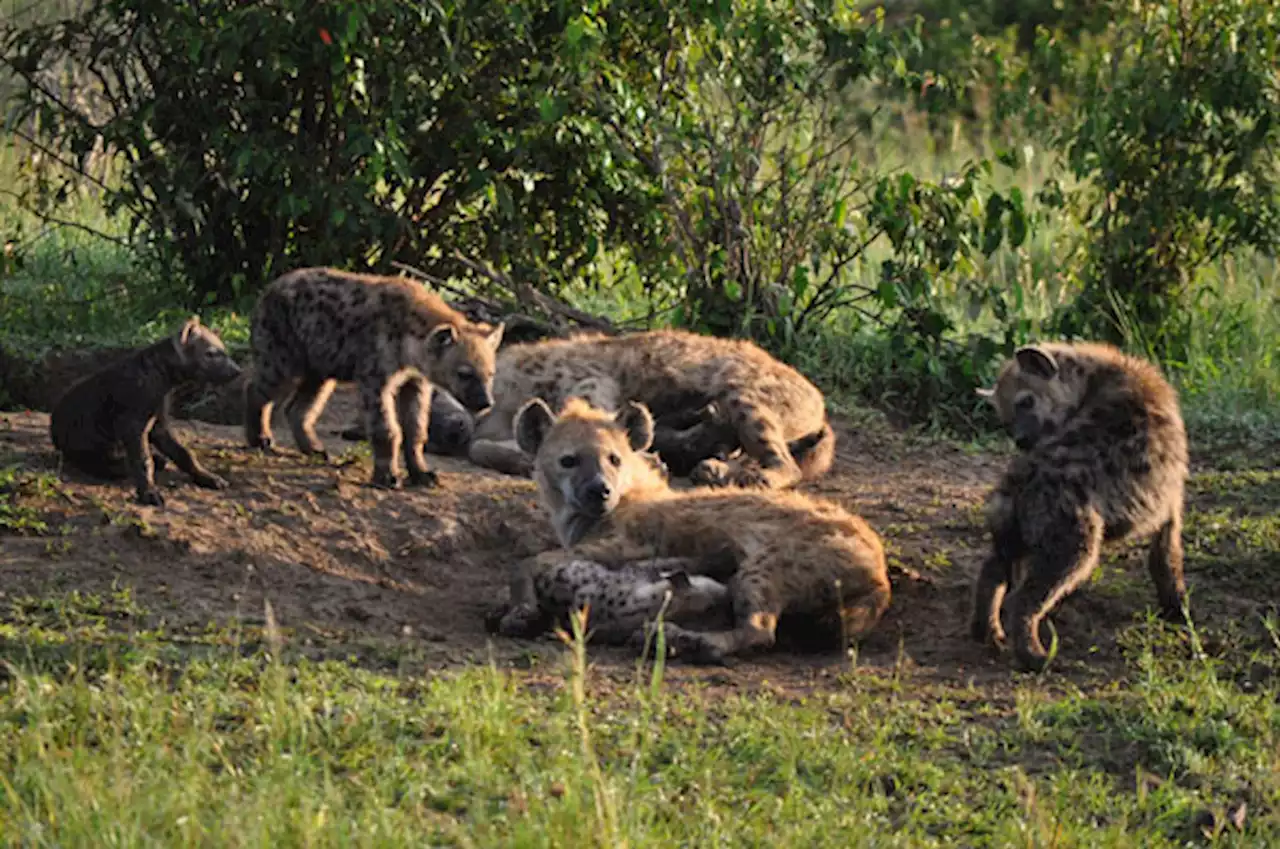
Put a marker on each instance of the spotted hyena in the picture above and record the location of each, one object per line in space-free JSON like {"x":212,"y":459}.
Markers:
{"x":1103,"y":456}
{"x":780,"y":552}
{"x":126,"y":406}
{"x":709,"y":397}
{"x":620,"y":601}
{"x":393,"y":338}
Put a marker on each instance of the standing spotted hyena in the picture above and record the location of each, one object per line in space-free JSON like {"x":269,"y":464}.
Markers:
{"x":393,"y":338}
{"x":781,"y":552}
{"x":1103,"y":457}
{"x":707,"y":395}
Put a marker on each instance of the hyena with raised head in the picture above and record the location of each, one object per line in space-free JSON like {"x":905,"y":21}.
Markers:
{"x":780,"y":551}
{"x":394,"y":339}
{"x":1103,"y":456}
{"x":126,"y":405}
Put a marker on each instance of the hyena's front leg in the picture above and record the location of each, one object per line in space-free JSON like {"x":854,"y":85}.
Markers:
{"x":413,"y":407}
{"x":137,"y":448}
{"x":164,"y":440}
{"x":378,"y":403}
{"x":304,"y":408}
{"x":755,"y":610}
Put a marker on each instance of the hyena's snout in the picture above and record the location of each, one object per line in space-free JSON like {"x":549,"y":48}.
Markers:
{"x":595,"y":496}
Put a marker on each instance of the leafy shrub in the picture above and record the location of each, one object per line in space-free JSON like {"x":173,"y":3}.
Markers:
{"x":1173,"y":139}
{"x":256,"y":136}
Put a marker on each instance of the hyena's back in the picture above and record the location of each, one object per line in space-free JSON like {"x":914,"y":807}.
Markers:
{"x":334,"y":324}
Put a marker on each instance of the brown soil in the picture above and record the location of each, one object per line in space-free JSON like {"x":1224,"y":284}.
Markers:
{"x":354,"y":571}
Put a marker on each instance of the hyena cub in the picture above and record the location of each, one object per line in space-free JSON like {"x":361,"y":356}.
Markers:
{"x":1103,"y":457}
{"x":126,"y":405}
{"x":394,"y":339}
{"x":620,"y":601}
{"x":780,"y":551}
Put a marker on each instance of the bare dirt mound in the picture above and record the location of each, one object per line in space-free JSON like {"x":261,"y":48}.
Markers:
{"x":351,"y":570}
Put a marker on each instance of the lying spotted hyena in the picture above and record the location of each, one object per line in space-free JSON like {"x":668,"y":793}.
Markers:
{"x":620,"y":601}
{"x":780,"y":552}
{"x":393,"y":338}
{"x":709,"y":396}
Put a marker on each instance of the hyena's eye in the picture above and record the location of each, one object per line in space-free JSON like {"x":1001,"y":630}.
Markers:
{"x":615,"y":460}
{"x":568,"y":461}
{"x":1026,"y":402}
{"x":466,"y":372}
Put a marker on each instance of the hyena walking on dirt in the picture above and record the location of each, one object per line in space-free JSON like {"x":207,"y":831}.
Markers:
{"x":126,"y":405}
{"x":393,"y":338}
{"x":781,"y":552}
{"x":768,"y":409}
{"x":1103,"y":457}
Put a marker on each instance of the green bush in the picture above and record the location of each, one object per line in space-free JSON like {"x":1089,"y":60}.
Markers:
{"x":256,"y":136}
{"x":1173,"y":141}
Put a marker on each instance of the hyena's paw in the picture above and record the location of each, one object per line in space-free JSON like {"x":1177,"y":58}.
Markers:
{"x":385,"y":479}
{"x":150,"y":497}
{"x":265,"y":443}
{"x":691,"y":646}
{"x":987,"y":633}
{"x":424,"y":479}
{"x":208,"y":480}
{"x":749,"y":476}
{"x":710,"y":473}
{"x":524,"y":621}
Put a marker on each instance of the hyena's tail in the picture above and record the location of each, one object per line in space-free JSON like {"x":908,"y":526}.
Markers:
{"x":815,"y":452}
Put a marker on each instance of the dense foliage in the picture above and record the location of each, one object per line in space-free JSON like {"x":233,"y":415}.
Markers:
{"x":719,"y":161}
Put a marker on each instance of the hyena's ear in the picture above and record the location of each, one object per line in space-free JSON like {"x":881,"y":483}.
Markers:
{"x":637,"y":421}
{"x":1037,"y":362}
{"x":495,"y":338}
{"x":441,"y":339}
{"x":184,"y":335}
{"x":989,"y":394}
{"x":532,"y":423}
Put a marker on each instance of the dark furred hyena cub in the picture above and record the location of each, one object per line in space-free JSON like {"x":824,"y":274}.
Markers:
{"x":315,"y":326}
{"x":1103,"y":457}
{"x":127,"y":404}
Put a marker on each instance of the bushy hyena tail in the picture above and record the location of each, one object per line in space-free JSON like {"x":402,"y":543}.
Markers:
{"x":816,"y":452}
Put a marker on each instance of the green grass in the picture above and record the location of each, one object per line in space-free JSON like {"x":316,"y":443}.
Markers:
{"x":131,"y":742}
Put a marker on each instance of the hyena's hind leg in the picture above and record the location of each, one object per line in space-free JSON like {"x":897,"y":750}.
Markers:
{"x":269,"y":385}
{"x":303,"y":409}
{"x":993,"y":582}
{"x":413,"y":408}
{"x":763,"y":440}
{"x":1061,"y":558}
{"x":1164,"y":562}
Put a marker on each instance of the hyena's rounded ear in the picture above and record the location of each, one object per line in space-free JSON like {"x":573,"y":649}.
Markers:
{"x":637,"y":421}
{"x":532,"y":423}
{"x":495,"y":338}
{"x":441,"y":339}
{"x":1037,"y":362}
{"x":983,"y":392}
{"x":184,"y":335}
